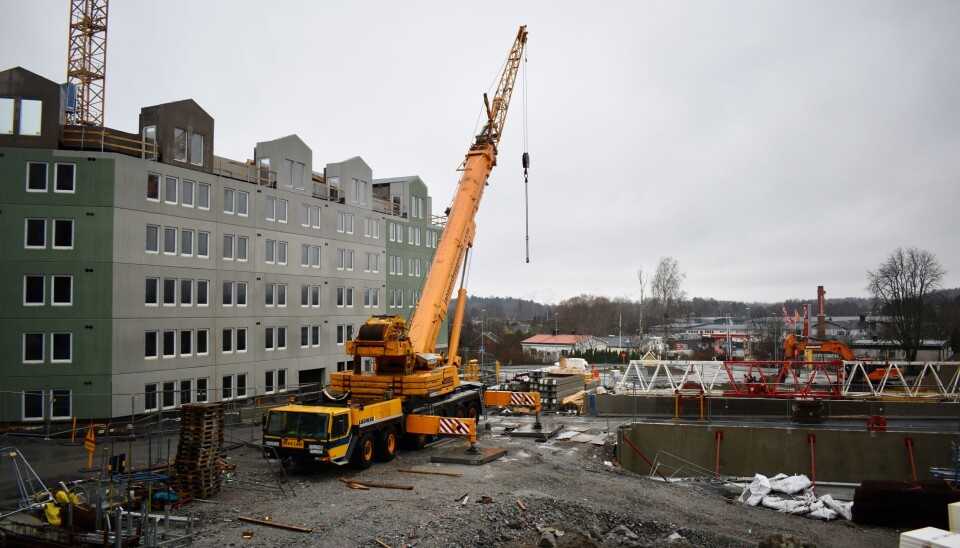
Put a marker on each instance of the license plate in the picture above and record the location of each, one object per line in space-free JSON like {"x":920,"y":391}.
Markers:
{"x":292,"y":443}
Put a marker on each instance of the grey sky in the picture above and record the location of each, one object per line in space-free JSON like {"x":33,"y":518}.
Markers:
{"x":769,"y":147}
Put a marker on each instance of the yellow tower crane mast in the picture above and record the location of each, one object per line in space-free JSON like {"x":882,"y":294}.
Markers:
{"x":406,"y":364}
{"x":87,"y":60}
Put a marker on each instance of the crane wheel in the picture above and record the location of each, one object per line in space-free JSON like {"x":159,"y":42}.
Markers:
{"x":473,"y":411}
{"x":460,"y":411}
{"x":362,"y":456}
{"x":387,"y":445}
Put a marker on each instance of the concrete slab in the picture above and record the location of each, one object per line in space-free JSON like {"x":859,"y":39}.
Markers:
{"x":528,"y":431}
{"x":459,"y":455}
{"x":599,"y":440}
{"x":582,"y":438}
{"x":567,"y":434}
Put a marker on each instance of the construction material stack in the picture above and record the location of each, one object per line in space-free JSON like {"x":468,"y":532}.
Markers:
{"x":198,"y":454}
{"x":557,"y":391}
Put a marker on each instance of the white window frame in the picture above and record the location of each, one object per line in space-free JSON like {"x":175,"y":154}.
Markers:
{"x":156,"y":345}
{"x":53,"y":289}
{"x":26,"y":233}
{"x":203,"y":194}
{"x":43,"y":290}
{"x":169,"y":230}
{"x":43,"y":347}
{"x":56,"y":178}
{"x":167,"y":180}
{"x":191,"y":193}
{"x":46,"y":177}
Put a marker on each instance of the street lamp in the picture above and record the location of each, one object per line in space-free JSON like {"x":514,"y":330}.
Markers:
{"x":482,"y":311}
{"x":556,"y":330}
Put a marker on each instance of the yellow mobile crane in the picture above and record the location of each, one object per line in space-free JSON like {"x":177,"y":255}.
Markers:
{"x":413,"y":391}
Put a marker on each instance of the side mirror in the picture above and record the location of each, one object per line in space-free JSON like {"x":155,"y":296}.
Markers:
{"x":263,"y":422}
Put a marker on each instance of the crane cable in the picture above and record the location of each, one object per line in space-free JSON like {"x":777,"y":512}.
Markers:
{"x":526,"y":159}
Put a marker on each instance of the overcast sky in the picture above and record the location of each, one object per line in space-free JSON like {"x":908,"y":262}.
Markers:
{"x":770,"y":147}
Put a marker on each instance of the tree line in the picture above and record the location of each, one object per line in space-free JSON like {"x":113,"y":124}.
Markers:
{"x":906,"y":290}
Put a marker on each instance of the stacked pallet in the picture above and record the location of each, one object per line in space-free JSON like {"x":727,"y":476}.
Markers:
{"x":198,"y":454}
{"x":554,"y":388}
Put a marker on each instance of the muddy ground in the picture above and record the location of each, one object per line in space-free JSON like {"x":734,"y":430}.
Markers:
{"x":569,"y":493}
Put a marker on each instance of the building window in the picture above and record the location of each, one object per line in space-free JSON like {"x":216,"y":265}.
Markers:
{"x":241,"y":293}
{"x":298,"y":175}
{"x":241,"y":339}
{"x":203,"y":292}
{"x":344,"y":259}
{"x":242,"y":385}
{"x":169,"y":394}
{"x":281,"y":294}
{"x":344,"y":333}
{"x":30,"y":113}
{"x":61,"y":347}
{"x":203,"y":198}
{"x":32,"y":405}
{"x":314,"y":337}
{"x":187,"y":195}
{"x":64,"y":180}
{"x":36,"y":176}
{"x":63,"y":233}
{"x":169,"y":240}
{"x":153,"y":187}
{"x":169,"y":292}
{"x":150,"y":344}
{"x":228,"y":200}
{"x":243,"y":203}
{"x":196,"y":149}
{"x":282,"y":252}
{"x":203,"y":244}
{"x":203,"y":339}
{"x":202,"y":384}
{"x":153,"y":239}
{"x":228,"y":247}
{"x":62,"y":291}
{"x":180,"y":144}
{"x":226,"y":387}
{"x":270,"y":254}
{"x":282,"y":207}
{"x":304,"y":336}
{"x":271,"y":209}
{"x":6,"y":115}
{"x":268,"y":341}
{"x":34,"y":290}
{"x":150,"y":400}
{"x":186,"y":292}
{"x":226,"y":341}
{"x":344,"y":296}
{"x":268,"y":382}
{"x":33,"y":347}
{"x":186,"y":243}
{"x":170,"y":343}
{"x":150,"y":142}
{"x":309,"y":216}
{"x":186,"y":342}
{"x":170,"y":189}
{"x":186,"y":391}
{"x":35,"y":233}
{"x":61,"y":404}
{"x":268,"y":292}
{"x":227,"y":293}
{"x":242,"y":248}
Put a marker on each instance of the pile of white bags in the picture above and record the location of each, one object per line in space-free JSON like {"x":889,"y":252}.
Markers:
{"x":803,"y":504}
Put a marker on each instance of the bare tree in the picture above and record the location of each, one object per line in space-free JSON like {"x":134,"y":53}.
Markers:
{"x":902,"y":289}
{"x":668,"y":294}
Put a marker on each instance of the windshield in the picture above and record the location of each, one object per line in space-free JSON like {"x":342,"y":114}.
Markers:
{"x":297,"y":425}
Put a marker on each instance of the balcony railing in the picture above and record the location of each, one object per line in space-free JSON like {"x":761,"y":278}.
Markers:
{"x":105,"y":140}
{"x":248,"y":172}
{"x":328,"y":192}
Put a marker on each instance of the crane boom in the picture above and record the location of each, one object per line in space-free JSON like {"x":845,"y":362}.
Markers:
{"x":460,"y":229}
{"x":398,"y":351}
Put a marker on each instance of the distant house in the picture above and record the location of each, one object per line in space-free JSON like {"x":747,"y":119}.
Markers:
{"x":561,"y":345}
{"x":930,"y":350}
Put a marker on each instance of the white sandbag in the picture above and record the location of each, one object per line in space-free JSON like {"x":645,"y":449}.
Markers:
{"x":822,"y":513}
{"x":844,"y":509}
{"x":789,"y":484}
{"x":786,"y":506}
{"x":754,"y":493}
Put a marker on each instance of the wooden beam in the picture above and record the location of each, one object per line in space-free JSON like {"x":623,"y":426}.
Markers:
{"x":274,"y":524}
{"x":409,"y":471}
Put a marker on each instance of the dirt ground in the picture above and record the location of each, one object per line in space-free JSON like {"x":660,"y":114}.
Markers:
{"x":571,"y":494}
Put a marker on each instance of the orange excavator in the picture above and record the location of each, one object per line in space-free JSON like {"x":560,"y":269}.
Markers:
{"x":792,"y":347}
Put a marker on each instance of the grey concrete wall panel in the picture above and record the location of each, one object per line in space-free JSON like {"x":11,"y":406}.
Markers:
{"x":185,"y":114}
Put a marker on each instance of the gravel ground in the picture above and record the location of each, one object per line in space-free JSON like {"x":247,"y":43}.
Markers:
{"x":572,"y":496}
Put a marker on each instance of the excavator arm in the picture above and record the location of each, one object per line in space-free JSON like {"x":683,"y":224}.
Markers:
{"x":791,"y":347}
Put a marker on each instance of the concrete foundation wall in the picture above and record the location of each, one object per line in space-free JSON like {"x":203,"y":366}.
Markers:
{"x":840,"y":455}
{"x":655,"y":406}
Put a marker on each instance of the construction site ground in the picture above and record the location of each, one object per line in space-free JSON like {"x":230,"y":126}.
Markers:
{"x":570,"y":489}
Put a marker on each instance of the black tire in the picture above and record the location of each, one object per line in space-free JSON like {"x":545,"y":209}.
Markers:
{"x":362,"y":456}
{"x":387,"y":444}
{"x":460,"y":411}
{"x":473,"y":411}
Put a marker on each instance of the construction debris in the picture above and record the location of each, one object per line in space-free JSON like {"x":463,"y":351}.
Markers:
{"x":275,"y":524}
{"x":806,"y":504}
{"x":453,"y":474}
{"x":380,"y":485}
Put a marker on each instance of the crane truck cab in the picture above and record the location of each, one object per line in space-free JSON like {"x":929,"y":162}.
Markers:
{"x":337,"y":433}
